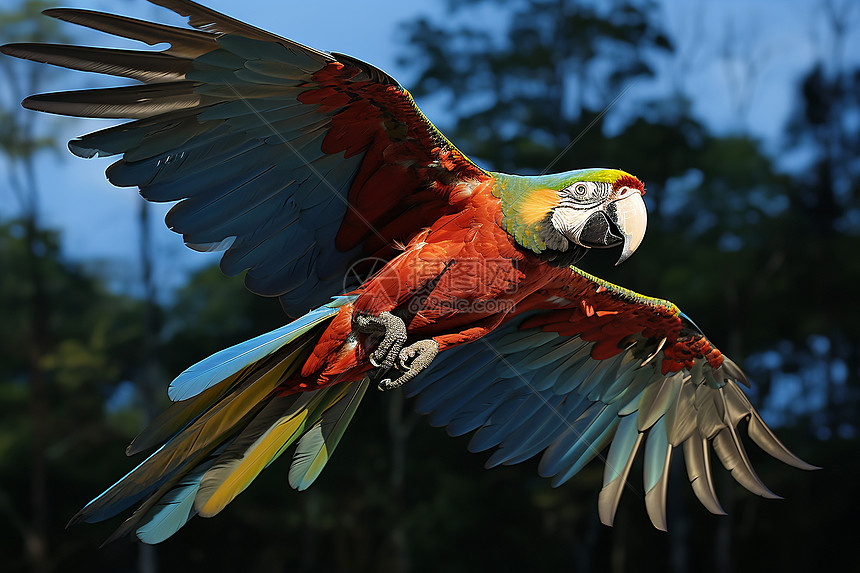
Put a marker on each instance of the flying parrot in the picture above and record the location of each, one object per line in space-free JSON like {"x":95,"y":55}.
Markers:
{"x":301,"y":165}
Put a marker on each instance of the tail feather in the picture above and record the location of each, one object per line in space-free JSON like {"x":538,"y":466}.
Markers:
{"x":228,"y":423}
{"x":318,"y":418}
{"x":215,"y":479}
{"x":179,"y":414}
{"x":262,"y":441}
{"x":173,"y":509}
{"x":221,"y":365}
{"x":221,"y":421}
{"x":166,"y":488}
{"x":317,"y":444}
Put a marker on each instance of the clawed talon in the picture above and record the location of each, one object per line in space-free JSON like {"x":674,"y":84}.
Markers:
{"x":393,"y":332}
{"x":413,"y":359}
{"x":390,"y":351}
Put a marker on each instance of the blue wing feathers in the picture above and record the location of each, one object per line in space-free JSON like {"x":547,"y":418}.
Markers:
{"x":568,"y":369}
{"x":596,"y":437}
{"x":249,"y":76}
{"x":540,"y":356}
{"x":518,"y":342}
{"x":439,"y":394}
{"x":599,"y":378}
{"x":572,"y":379}
{"x":214,"y":154}
{"x":264,"y":280}
{"x":186,"y":175}
{"x":224,"y":59}
{"x":529,"y":427}
{"x":296,"y":275}
{"x":198,"y":125}
{"x":542,"y":378}
{"x":488,"y":434}
{"x":237,"y":208}
{"x":532,"y":443}
{"x":231,"y":111}
{"x":114,"y":508}
{"x":127,"y":136}
{"x":548,"y":395}
{"x":165,"y":177}
{"x":231,"y":173}
{"x":242,"y":256}
{"x":476,"y":413}
{"x":252,"y":49}
{"x":286,"y":129}
{"x":443,"y":413}
{"x":576,"y":441}
{"x":176,"y":134}
{"x":438,"y":370}
{"x":502,"y":423}
{"x":613,"y":389}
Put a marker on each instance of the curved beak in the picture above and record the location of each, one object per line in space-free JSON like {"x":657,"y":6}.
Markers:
{"x":620,"y":222}
{"x":628,"y":214}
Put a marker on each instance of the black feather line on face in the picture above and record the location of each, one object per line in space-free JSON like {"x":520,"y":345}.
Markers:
{"x":559,"y":252}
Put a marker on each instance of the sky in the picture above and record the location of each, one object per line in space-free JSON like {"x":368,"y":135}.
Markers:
{"x":756,"y":48}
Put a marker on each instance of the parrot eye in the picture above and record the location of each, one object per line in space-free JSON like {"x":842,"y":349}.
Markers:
{"x":586,"y":193}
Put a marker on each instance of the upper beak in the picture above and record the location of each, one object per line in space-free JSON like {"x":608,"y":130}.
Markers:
{"x":631,"y":219}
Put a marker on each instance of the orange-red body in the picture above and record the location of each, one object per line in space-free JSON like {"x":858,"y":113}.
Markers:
{"x":454,"y":282}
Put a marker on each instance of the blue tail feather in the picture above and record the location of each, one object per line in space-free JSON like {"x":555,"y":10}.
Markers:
{"x":229,"y":361}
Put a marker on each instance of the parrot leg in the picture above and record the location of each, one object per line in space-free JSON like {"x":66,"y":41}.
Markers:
{"x":413,"y":359}
{"x":393,"y":332}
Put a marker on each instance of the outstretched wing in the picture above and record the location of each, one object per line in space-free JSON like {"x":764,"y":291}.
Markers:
{"x":587,"y":365}
{"x":296,"y":162}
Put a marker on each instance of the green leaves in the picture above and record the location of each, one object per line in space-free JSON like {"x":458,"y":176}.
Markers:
{"x":527,"y":80}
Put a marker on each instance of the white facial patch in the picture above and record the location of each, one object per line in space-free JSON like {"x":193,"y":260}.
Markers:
{"x":570,"y":222}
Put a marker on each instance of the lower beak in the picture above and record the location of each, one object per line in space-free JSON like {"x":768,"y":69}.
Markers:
{"x":629,"y":216}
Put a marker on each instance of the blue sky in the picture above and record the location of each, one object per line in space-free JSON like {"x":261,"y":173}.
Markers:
{"x":780,"y":38}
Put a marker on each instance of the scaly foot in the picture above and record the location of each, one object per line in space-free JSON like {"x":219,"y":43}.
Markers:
{"x":393,"y":332}
{"x":412,"y":359}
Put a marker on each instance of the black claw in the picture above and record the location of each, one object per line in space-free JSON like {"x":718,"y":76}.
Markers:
{"x":386,"y":384}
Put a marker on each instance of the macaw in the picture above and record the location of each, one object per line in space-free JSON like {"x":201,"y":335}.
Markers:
{"x":301,"y":164}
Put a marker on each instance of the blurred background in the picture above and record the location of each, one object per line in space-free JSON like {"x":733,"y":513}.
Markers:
{"x":743,"y":119}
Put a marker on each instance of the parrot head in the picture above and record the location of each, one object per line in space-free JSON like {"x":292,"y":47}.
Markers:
{"x":601,"y":209}
{"x":562,"y":216}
